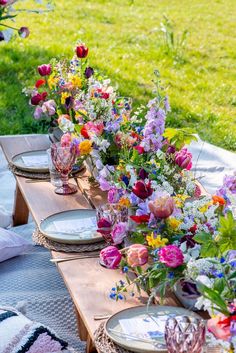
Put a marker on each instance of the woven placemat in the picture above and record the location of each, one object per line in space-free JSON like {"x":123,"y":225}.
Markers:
{"x":26,"y":174}
{"x":40,"y":239}
{"x":104,"y":344}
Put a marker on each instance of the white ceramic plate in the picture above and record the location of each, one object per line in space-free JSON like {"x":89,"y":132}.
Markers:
{"x":152,"y":323}
{"x":72,"y":227}
{"x":22,"y":161}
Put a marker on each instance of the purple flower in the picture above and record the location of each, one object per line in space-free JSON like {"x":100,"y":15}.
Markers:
{"x":38,"y":112}
{"x":119,"y":232}
{"x":167,"y":104}
{"x":24,"y":32}
{"x":113,"y":195}
{"x":89,"y":71}
{"x":183,"y":159}
{"x":49,"y":107}
{"x":143,"y":174}
{"x":104,"y":184}
{"x":44,"y":70}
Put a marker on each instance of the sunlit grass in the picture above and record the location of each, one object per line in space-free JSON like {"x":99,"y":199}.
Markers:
{"x":126,"y":44}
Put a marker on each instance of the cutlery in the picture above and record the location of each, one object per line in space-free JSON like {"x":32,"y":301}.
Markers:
{"x":136,"y":338}
{"x":89,"y":256}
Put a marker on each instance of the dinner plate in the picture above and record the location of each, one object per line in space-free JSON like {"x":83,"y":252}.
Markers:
{"x":72,"y":227}
{"x":141,"y":329}
{"x":32,"y":161}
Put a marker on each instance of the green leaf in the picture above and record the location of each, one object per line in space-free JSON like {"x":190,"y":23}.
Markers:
{"x":214,"y":297}
{"x":209,"y":247}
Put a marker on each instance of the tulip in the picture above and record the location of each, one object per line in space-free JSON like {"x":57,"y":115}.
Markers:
{"x":171,"y":256}
{"x":89,"y":71}
{"x":3,"y":2}
{"x":142,"y":190}
{"x":44,"y":70}
{"x":110,"y":257}
{"x":24,"y":32}
{"x":183,"y":159}
{"x":37,"y":98}
{"x":162,"y":207}
{"x":171,"y":149}
{"x":219,"y":330}
{"x":81,"y":51}
{"x":104,"y":226}
{"x":137,"y":255}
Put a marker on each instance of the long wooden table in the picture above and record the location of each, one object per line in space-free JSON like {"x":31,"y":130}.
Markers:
{"x":88,"y":283}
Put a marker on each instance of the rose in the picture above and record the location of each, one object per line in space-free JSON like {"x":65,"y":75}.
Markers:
{"x":110,"y":257}
{"x":142,"y":190}
{"x":38,"y":97}
{"x":119,"y":232}
{"x":81,"y":51}
{"x":183,"y":159}
{"x":44,"y":70}
{"x":137,"y":255}
{"x":89,"y":71}
{"x":24,"y":32}
{"x":219,"y":329}
{"x":162,"y":207}
{"x":171,"y":256}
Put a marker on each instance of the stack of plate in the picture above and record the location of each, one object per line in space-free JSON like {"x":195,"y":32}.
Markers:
{"x":32,"y":161}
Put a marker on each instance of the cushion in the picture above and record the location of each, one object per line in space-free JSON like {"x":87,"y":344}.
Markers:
{"x":18,"y":334}
{"x":12,"y":244}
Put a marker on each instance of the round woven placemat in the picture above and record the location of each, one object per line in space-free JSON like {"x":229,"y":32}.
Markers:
{"x":26,"y":174}
{"x":104,"y":344}
{"x":40,"y":239}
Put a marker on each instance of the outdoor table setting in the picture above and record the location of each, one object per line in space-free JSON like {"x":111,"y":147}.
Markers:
{"x":130,"y":211}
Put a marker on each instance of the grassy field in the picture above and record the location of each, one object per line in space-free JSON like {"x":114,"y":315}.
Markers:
{"x":126,"y":43}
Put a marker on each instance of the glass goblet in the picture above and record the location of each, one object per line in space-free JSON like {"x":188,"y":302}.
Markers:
{"x":108,"y":215}
{"x":185,"y":334}
{"x":63,"y":159}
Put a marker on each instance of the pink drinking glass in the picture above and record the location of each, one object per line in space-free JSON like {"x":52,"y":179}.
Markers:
{"x":185,"y":334}
{"x":63,"y":159}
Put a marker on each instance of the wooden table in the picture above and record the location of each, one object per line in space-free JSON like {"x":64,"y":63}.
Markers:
{"x":88,"y":283}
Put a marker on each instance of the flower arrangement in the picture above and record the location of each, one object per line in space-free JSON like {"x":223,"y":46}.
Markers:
{"x":8,"y":12}
{"x":77,"y":98}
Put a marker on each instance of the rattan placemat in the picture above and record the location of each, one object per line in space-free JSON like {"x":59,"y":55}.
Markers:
{"x":26,"y":174}
{"x":40,"y":239}
{"x":104,"y":344}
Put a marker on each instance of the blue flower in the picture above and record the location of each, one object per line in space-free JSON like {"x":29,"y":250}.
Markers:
{"x":122,"y":283}
{"x":125,"y":179}
{"x":112,"y":295}
{"x":125,"y":269}
{"x":222,"y":260}
{"x":220,"y":275}
{"x":120,"y":296}
{"x":171,"y":275}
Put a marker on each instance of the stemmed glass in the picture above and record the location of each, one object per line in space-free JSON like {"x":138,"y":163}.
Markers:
{"x":108,"y":215}
{"x":185,"y":334}
{"x":63,"y":159}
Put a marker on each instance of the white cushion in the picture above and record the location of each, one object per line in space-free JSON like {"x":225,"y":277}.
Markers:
{"x":18,"y":334}
{"x":12,"y":244}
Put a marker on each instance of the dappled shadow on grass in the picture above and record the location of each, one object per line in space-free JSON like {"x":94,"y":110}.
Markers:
{"x":17,"y":69}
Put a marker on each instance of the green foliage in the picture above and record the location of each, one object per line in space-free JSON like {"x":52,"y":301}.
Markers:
{"x":214,"y":295}
{"x":123,"y":41}
{"x":180,"y":137}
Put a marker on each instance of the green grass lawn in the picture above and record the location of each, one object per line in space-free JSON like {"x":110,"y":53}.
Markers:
{"x":126,"y":44}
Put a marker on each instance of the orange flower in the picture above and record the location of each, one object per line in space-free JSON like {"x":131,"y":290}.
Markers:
{"x":218,"y":200}
{"x":124,"y":201}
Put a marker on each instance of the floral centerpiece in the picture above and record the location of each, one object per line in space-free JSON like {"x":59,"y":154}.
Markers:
{"x":78,"y":99}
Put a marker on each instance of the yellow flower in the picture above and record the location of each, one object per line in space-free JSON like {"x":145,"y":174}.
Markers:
{"x":79,"y":115}
{"x":174,"y":223}
{"x":52,"y":81}
{"x":124,"y":201}
{"x":156,"y":241}
{"x":204,"y":208}
{"x":64,"y":95}
{"x":76,"y":81}
{"x":179,"y":199}
{"x":85,"y":147}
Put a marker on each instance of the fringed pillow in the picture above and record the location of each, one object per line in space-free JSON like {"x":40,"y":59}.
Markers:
{"x":18,"y":334}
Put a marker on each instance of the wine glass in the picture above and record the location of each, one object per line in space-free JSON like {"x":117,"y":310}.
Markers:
{"x":185,"y":334}
{"x":108,"y":215}
{"x":63,"y":159}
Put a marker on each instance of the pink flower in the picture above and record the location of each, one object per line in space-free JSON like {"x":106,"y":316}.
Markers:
{"x":162,"y":207}
{"x":38,"y":112}
{"x":110,"y":257}
{"x":113,"y":195}
{"x":183,"y":159}
{"x":219,"y":330}
{"x":3,"y":2}
{"x":119,"y":232}
{"x":94,"y":129}
{"x":137,"y":255}
{"x":66,"y":140}
{"x":171,"y":256}
{"x":49,"y":107}
{"x":140,"y":149}
{"x":44,"y":70}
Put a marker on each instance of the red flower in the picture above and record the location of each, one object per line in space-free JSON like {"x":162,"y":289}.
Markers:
{"x":193,"y":229}
{"x":140,"y":149}
{"x":144,"y":218}
{"x":142,"y":190}
{"x":81,"y":51}
{"x":40,"y":83}
{"x":44,"y":70}
{"x":84,"y":132}
{"x":37,"y":98}
{"x":105,"y":95}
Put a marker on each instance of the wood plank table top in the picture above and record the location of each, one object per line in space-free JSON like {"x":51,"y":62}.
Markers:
{"x":87,"y":281}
